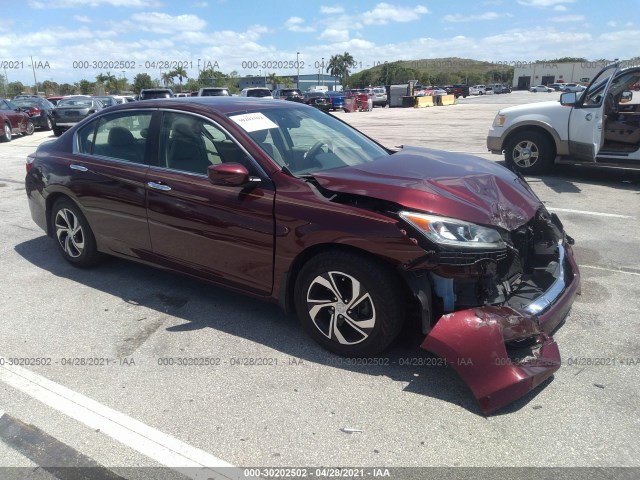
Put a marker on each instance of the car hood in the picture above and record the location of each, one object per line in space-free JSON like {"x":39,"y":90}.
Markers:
{"x":552,"y":109}
{"x":443,"y":183}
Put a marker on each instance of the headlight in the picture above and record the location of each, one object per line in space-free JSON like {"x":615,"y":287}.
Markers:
{"x":453,"y":232}
{"x":499,"y":120}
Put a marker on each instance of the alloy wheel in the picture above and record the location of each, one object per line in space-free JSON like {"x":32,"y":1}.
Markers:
{"x":340,"y":308}
{"x":69,"y":232}
{"x":525,"y":154}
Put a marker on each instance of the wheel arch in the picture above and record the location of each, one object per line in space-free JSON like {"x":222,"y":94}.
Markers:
{"x":288,"y":281}
{"x":50,"y":201}
{"x":539,"y":127}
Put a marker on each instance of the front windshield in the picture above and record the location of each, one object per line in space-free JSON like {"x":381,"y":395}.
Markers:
{"x":306,"y":140}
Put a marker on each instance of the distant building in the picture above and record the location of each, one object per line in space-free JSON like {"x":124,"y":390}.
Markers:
{"x":530,"y":74}
{"x":306,"y":82}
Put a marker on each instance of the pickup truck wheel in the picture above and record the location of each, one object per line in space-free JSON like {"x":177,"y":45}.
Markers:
{"x":529,"y":152}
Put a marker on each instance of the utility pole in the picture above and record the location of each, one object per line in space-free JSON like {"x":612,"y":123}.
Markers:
{"x":33,"y":67}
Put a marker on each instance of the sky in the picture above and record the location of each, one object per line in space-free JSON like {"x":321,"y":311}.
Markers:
{"x":69,"y":40}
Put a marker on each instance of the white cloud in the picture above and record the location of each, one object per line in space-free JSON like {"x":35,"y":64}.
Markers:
{"x":458,"y":18}
{"x":568,"y":18}
{"x":334,"y":35}
{"x":200,"y":5}
{"x":560,"y":8}
{"x":163,"y":23}
{"x":93,"y":3}
{"x":543,"y":3}
{"x":612,"y":24}
{"x":384,"y":13}
{"x":331,"y":10}
{"x":82,"y":18}
{"x":295,"y":24}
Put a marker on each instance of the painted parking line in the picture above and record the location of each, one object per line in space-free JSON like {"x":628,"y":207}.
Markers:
{"x":585,"y":212}
{"x":615,"y":270}
{"x":49,"y":453}
{"x":161,"y":447}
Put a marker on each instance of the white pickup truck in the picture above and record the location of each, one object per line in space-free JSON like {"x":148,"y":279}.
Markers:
{"x":600,"y":125}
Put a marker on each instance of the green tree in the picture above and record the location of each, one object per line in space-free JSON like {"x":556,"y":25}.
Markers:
{"x":15,"y":88}
{"x":66,"y":89}
{"x":85,"y":87}
{"x":274,"y":80}
{"x":140,"y":81}
{"x":167,"y":78}
{"x":339,"y":66}
{"x":181,"y":73}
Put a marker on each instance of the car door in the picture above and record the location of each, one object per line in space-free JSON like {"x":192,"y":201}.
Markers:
{"x":16,"y":118}
{"x":586,"y":121}
{"x":108,"y":172}
{"x":222,"y":233}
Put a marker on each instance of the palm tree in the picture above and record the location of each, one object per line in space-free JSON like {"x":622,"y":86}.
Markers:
{"x":274,"y":80}
{"x":180,"y":73}
{"x":339,"y":66}
{"x":167,"y":78}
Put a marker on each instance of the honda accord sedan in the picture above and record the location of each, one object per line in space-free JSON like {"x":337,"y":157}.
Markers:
{"x":283,"y":202}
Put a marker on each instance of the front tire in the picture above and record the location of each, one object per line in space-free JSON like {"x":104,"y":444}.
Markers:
{"x":349,"y":304}
{"x":48,"y":124}
{"x":74,"y":237}
{"x":529,"y":152}
{"x":57,"y":131}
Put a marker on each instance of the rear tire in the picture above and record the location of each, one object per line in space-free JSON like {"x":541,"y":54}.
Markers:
{"x":349,"y":304}
{"x":73,"y":235}
{"x":30,"y":128}
{"x":7,"y":133}
{"x":529,"y":152}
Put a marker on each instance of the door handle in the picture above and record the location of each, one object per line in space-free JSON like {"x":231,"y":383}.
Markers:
{"x":78,"y":168}
{"x":159,"y":186}
{"x":588,"y":117}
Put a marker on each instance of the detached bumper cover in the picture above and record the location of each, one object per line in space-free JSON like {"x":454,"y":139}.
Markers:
{"x":475,"y":343}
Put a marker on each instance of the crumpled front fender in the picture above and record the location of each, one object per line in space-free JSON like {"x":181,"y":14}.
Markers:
{"x":473,"y":343}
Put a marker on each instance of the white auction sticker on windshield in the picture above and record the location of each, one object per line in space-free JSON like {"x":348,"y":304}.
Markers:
{"x":252,"y":122}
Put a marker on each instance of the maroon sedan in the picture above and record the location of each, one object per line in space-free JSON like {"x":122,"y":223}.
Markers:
{"x":13,"y":121}
{"x":285,"y":203}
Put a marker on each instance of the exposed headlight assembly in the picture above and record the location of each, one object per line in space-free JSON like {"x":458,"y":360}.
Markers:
{"x":454,"y":232}
{"x":499,"y":120}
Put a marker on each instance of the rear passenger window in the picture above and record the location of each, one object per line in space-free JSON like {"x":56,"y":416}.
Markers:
{"x":122,"y":136}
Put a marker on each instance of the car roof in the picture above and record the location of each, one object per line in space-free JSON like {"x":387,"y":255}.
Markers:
{"x":223,"y":105}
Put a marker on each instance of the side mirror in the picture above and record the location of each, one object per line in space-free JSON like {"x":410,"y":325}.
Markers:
{"x":229,"y":174}
{"x":568,"y":99}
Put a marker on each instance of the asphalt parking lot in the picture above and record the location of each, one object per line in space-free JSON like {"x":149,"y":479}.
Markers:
{"x":299,"y":406}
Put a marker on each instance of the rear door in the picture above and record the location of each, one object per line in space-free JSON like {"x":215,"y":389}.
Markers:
{"x":108,"y":171}
{"x":222,"y":233}
{"x":587,"y":118}
{"x":15,"y":118}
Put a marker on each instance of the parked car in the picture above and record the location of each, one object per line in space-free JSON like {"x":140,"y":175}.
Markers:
{"x":13,"y":121}
{"x":287,"y":94}
{"x":541,"y":88}
{"x":54,"y":100}
{"x":38,"y":109}
{"x":597,"y":126}
{"x":152,"y":93}
{"x":319,"y":100}
{"x":337,"y":99}
{"x":107,"y":100}
{"x":379,"y":97}
{"x":477,"y":90}
{"x":213,"y":92}
{"x":291,"y":205}
{"x":573,"y":87}
{"x":70,"y":110}
{"x":556,"y":86}
{"x":256,"y":92}
{"x":461,"y":90}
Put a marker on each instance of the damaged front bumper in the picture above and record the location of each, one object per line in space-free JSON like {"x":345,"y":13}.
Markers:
{"x":502,"y":352}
